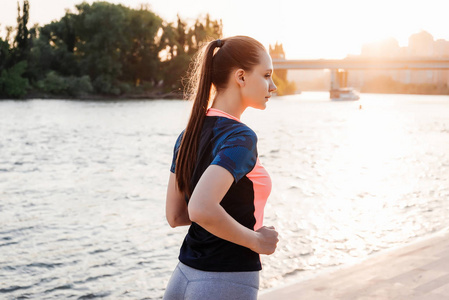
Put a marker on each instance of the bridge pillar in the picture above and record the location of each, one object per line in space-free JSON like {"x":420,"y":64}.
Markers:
{"x":339,"y":79}
{"x":335,"y":84}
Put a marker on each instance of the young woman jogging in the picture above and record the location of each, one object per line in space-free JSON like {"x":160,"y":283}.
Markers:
{"x":217,"y":184}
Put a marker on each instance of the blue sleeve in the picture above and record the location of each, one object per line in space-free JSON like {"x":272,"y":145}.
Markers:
{"x":237,"y":154}
{"x":175,"y":152}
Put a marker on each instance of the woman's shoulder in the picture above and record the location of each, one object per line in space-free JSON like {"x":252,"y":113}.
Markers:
{"x":178,"y":140}
{"x":233,"y":128}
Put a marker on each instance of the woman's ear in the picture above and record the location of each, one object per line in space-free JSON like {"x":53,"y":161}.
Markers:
{"x":239,"y":77}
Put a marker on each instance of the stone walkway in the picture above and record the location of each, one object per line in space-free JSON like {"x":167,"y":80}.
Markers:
{"x":416,"y":271}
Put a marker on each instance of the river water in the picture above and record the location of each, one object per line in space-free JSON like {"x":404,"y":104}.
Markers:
{"x":82,"y":188}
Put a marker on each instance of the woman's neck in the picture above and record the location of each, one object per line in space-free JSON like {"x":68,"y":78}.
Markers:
{"x":230,"y":103}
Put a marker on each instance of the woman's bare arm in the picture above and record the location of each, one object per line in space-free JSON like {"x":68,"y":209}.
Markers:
{"x":175,"y":206}
{"x":204,"y":209}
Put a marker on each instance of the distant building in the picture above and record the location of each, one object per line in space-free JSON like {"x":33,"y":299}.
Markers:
{"x":420,"y":45}
{"x":441,"y":49}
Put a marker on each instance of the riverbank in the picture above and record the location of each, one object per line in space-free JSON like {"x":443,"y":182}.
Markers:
{"x":101,"y":97}
{"x":419,"y":270}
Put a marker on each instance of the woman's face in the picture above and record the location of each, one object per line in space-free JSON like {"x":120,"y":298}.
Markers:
{"x":259,"y":83}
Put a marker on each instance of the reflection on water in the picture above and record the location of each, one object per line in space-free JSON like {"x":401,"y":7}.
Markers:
{"x":82,"y":187}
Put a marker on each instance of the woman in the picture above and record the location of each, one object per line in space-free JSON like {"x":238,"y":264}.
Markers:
{"x":217,"y":184}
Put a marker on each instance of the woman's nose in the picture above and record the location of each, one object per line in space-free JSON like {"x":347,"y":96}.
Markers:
{"x":272,"y":87}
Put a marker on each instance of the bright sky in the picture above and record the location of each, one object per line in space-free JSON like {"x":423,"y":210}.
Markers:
{"x":307,"y":28}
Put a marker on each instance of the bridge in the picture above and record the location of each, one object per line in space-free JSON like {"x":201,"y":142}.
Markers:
{"x":363,"y":64}
{"x":339,"y":67}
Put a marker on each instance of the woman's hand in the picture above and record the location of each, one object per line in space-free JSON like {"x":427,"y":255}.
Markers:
{"x":266,"y":241}
{"x":204,"y":209}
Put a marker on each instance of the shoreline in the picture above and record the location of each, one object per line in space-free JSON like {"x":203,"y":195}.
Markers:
{"x":409,"y":270}
{"x":165,"y":96}
{"x":95,"y":97}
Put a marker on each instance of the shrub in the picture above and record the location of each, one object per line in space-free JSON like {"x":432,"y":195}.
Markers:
{"x":284,"y":87}
{"x":12,"y":84}
{"x":53,"y":83}
{"x":78,"y":86}
{"x":103,"y":84}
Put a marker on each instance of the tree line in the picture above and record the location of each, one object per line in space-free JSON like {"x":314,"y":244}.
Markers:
{"x":101,"y":49}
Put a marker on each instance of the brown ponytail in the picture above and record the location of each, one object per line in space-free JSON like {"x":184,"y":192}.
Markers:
{"x":209,"y":70}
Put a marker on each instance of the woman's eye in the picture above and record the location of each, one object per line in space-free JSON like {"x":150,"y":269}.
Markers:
{"x":268,"y":75}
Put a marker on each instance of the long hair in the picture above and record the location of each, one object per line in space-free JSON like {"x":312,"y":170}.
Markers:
{"x":210,"y":71}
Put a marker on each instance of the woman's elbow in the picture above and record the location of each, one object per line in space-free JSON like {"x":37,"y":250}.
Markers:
{"x":178,"y":220}
{"x":172,"y":222}
{"x":198,"y":214}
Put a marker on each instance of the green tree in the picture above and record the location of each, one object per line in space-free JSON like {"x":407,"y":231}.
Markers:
{"x":12,"y":84}
{"x":55,"y":48}
{"x":101,"y":28}
{"x":183,"y":42}
{"x":180,"y":37}
{"x":22,"y":39}
{"x":140,"y":58}
{"x":103,"y":48}
{"x":13,"y":64}
{"x":203,"y":30}
{"x":4,"y":54}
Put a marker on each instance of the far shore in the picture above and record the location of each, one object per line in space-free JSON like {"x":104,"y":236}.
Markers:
{"x":161,"y":96}
{"x":107,"y":97}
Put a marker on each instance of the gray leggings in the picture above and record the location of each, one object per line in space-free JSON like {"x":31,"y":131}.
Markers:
{"x":187,"y":283}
